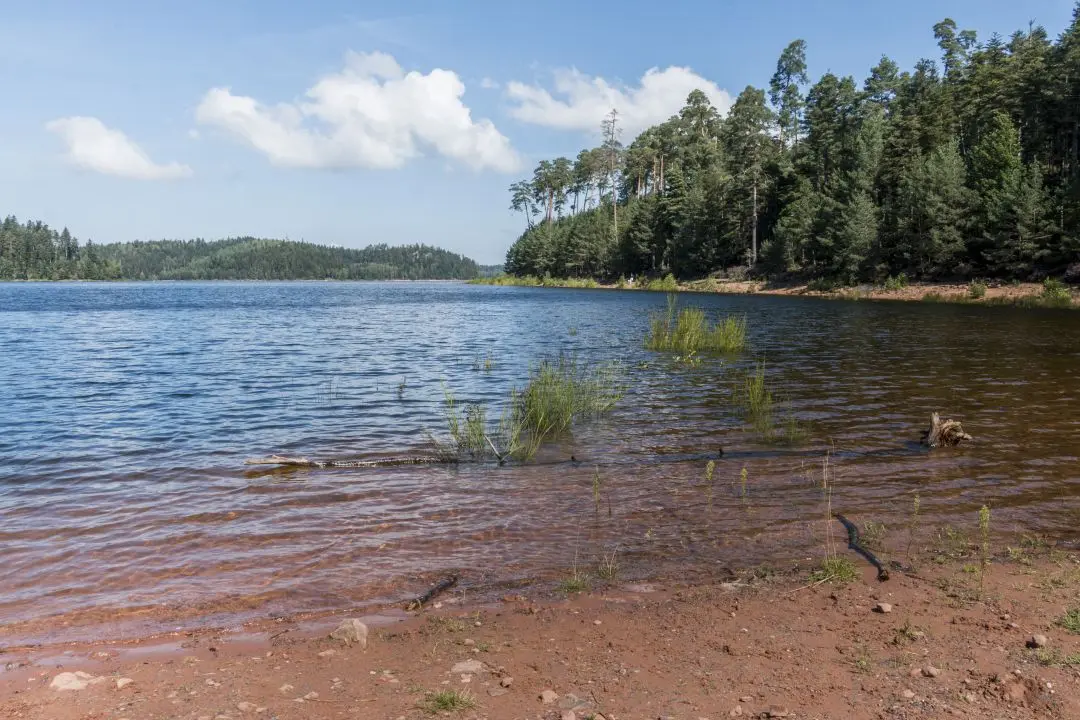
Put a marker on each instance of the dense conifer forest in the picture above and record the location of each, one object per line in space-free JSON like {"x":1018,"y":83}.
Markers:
{"x":964,"y":166}
{"x":34,"y":251}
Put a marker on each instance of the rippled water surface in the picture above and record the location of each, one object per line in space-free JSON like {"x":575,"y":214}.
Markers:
{"x":128,"y":410}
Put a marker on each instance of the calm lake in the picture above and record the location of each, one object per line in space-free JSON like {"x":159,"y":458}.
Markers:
{"x":128,"y":410}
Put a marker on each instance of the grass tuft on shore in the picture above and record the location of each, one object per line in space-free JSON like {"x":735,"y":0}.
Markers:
{"x":447,"y":701}
{"x":835,"y":569}
{"x":687,"y":330}
{"x":1071,"y":621}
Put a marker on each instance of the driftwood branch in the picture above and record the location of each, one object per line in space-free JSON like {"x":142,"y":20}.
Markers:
{"x":440,"y":587}
{"x":944,"y":432}
{"x":284,"y":460}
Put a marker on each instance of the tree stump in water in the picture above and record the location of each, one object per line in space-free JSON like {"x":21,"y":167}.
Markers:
{"x":944,"y":432}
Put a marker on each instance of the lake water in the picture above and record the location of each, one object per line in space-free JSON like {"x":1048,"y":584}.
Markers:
{"x":128,"y":410}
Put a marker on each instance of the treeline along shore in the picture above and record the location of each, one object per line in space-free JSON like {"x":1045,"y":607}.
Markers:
{"x":35,"y":251}
{"x":964,"y":168}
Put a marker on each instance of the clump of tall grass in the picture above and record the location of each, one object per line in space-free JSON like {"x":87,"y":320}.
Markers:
{"x":1055,"y":293}
{"x":558,"y":394}
{"x":833,"y":568}
{"x":759,"y":404}
{"x":668,"y":283}
{"x":687,"y":330}
{"x":977,"y":290}
{"x":898,"y":282}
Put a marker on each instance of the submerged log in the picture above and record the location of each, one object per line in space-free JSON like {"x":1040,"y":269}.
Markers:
{"x":284,"y":460}
{"x":944,"y":432}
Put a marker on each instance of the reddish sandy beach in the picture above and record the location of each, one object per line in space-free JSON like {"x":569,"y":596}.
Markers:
{"x":760,"y":644}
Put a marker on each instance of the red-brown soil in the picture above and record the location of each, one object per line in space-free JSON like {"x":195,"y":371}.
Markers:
{"x":755,"y":647}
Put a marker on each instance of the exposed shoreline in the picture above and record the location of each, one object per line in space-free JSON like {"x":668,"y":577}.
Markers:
{"x":949,"y":644}
{"x":1027,"y":294}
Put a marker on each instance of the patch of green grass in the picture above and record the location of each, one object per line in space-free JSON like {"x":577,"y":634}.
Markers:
{"x":1055,"y":293}
{"x":443,"y":623}
{"x":1071,"y":621}
{"x":468,"y":429}
{"x":447,"y":701}
{"x":668,"y":283}
{"x":823,"y":285}
{"x":608,"y":569}
{"x":758,"y":401}
{"x":835,"y":569}
{"x":558,"y":394}
{"x":898,"y":282}
{"x":977,"y":290}
{"x":951,"y":544}
{"x":688,"y":331}
{"x":576,"y":582}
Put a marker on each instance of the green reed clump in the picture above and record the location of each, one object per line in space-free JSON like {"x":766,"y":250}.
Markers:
{"x":447,"y":701}
{"x":558,"y":394}
{"x":984,"y":546}
{"x":977,"y":290}
{"x":710,"y":470}
{"x":758,"y":401}
{"x":668,"y":283}
{"x":687,"y":330}
{"x":468,"y":429}
{"x":1055,"y":293}
{"x":899,"y":282}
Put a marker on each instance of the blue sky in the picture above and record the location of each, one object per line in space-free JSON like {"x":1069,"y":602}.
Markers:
{"x":360,"y":122}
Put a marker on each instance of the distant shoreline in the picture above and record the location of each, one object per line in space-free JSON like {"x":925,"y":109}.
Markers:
{"x":1027,"y":294}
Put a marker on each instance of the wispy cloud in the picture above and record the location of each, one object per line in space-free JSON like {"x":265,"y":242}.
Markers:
{"x":370,"y":114}
{"x":93,"y":146}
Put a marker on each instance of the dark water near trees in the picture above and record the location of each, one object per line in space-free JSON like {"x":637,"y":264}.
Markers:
{"x":127,"y":411}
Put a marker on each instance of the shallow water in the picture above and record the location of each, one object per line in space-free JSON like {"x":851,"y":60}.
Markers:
{"x":128,"y":410}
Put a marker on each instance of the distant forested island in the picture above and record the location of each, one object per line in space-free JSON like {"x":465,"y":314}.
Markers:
{"x":963,"y":167}
{"x":34,"y":251}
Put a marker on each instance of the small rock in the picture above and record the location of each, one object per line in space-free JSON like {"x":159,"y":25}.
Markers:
{"x":1038,"y":641}
{"x":548,"y":697}
{"x":908,"y":694}
{"x":286,"y":688}
{"x":1014,"y":626}
{"x":246,"y":707}
{"x":597,"y":622}
{"x":470,"y":642}
{"x":212,"y":682}
{"x":777,"y":712}
{"x":746,"y":699}
{"x":496,"y":692}
{"x":312,"y":696}
{"x":351,"y":631}
{"x":569,"y":715}
{"x":506,"y":681}
{"x":328,"y":653}
{"x":122,"y":683}
{"x":930,"y":671}
{"x":467,"y":667}
{"x":969,"y":697}
{"x":736,"y":711}
{"x":915,"y":672}
{"x":883,"y":608}
{"x":71,"y":681}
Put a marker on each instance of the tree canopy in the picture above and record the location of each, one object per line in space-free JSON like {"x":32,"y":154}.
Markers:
{"x":34,"y":251}
{"x":967,"y":165}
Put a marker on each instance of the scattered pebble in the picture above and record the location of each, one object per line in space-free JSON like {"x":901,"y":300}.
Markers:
{"x":123,"y":682}
{"x":506,"y":681}
{"x":735,"y":711}
{"x":286,"y":688}
{"x":469,"y":641}
{"x":328,"y":653}
{"x":883,"y":608}
{"x":908,"y":694}
{"x":746,"y":699}
{"x":312,"y":696}
{"x":548,"y":697}
{"x":597,"y":622}
{"x":569,"y":715}
{"x":969,"y":697}
{"x":496,"y":692}
{"x":930,"y":671}
{"x":1038,"y":641}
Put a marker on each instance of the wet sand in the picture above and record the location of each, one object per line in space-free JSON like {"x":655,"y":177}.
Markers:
{"x":760,"y":644}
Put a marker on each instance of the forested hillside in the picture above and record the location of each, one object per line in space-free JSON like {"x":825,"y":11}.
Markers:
{"x":34,"y":251}
{"x":963,"y":166}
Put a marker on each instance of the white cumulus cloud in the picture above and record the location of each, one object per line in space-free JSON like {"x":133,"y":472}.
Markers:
{"x":580,"y":102}
{"x":371,"y":114}
{"x":93,"y":146}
